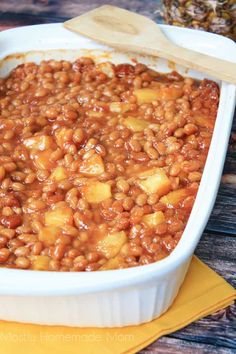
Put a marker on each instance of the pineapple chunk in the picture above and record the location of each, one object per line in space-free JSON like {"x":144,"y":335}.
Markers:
{"x":42,"y":142}
{"x":113,"y":263}
{"x":175,"y":197}
{"x":59,"y":174}
{"x":156,"y":183}
{"x":41,"y":160}
{"x":40,"y":262}
{"x":119,"y":107}
{"x":93,"y":166}
{"x":59,"y":217}
{"x":49,"y":235}
{"x":111,"y":244}
{"x":147,"y":173}
{"x":96,"y":192}
{"x":135,"y":124}
{"x":154,"y":219}
{"x":146,"y":95}
{"x":170,"y":93}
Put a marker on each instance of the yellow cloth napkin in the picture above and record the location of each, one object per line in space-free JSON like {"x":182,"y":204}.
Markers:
{"x":202,"y":293}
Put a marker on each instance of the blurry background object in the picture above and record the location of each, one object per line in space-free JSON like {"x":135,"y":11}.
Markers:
{"x":218,"y":16}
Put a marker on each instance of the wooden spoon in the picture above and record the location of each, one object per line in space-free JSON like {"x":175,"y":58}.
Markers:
{"x":131,"y":32}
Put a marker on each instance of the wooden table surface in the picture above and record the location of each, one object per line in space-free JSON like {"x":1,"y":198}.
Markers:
{"x":217,"y":248}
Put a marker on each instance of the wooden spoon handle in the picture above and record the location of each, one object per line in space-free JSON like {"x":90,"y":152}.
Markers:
{"x":221,"y":69}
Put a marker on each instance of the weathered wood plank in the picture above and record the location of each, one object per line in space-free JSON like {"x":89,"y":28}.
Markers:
{"x":230,"y":162}
{"x":34,"y":7}
{"x":167,"y":345}
{"x":234,"y":122}
{"x":215,"y":333}
{"x":219,"y":252}
{"x":73,"y":8}
{"x":218,"y":330}
{"x":223,"y":217}
{"x":48,"y":10}
{"x":11,"y":19}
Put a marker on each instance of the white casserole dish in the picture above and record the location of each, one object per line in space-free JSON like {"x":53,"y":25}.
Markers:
{"x":117,"y":297}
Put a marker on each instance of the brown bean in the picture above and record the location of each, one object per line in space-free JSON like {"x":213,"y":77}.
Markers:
{"x":22,"y":262}
{"x":59,"y":251}
{"x":54,"y":265}
{"x":22,"y":251}
{"x":2,"y":173}
{"x":80,"y":263}
{"x":8,"y":233}
{"x":139,"y":156}
{"x":37,"y":248}
{"x":92,"y":257}
{"x":128,"y":203}
{"x":4,"y":254}
{"x":11,"y":221}
{"x":3,"y":241}
{"x":190,"y":128}
{"x":122,"y":185}
{"x":141,"y":199}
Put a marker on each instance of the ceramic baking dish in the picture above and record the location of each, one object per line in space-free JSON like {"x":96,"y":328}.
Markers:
{"x":116,"y":297}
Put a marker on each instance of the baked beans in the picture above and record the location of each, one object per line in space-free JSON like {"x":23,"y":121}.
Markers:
{"x":99,"y":163}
